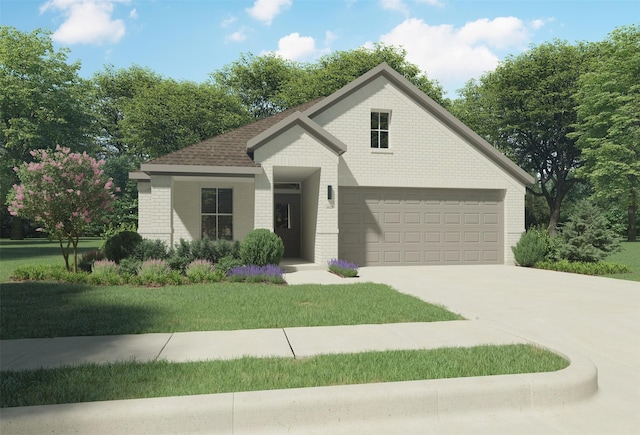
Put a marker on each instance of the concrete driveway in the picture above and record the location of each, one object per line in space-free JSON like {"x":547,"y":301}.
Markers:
{"x":596,"y":317}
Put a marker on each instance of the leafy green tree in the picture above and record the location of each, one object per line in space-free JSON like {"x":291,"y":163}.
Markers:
{"x":43,"y":102}
{"x":608,"y":127}
{"x":270,"y":84}
{"x":171,"y":115}
{"x":526,"y":108}
{"x":333,"y":71}
{"x":113,"y":92}
{"x":259,"y":81}
{"x":63,"y":192}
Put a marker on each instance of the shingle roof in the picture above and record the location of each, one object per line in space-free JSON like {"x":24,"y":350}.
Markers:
{"x":227,"y":149}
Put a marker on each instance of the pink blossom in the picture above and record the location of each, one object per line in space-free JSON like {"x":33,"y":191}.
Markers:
{"x":59,"y":225}
{"x":33,"y":153}
{"x":109,"y":185}
{"x":70,"y":190}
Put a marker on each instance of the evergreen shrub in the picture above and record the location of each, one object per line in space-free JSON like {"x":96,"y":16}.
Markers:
{"x":261,"y":247}
{"x":534,"y":246}
{"x":121,"y":245}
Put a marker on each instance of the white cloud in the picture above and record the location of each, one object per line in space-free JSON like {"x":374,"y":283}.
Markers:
{"x":329,"y":37}
{"x":267,"y":10}
{"x":229,"y":21}
{"x":133,"y":14}
{"x":87,"y":21}
{"x":395,"y":5}
{"x":238,"y":36}
{"x":454,"y":55}
{"x":296,"y":47}
{"x":541,"y":22}
{"x":431,"y":2}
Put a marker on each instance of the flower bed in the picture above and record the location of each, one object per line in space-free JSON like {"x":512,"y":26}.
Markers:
{"x":343,"y":268}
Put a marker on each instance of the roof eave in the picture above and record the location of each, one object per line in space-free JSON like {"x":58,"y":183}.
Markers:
{"x":150,"y":168}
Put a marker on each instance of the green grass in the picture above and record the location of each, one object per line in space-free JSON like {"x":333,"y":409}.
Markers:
{"x":127,"y":380}
{"x":17,"y":253}
{"x":48,"y":309}
{"x":630,"y":256}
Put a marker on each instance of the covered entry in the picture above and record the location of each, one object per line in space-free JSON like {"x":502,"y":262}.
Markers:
{"x":396,"y":226}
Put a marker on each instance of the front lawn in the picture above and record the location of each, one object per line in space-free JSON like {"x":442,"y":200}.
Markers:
{"x":51,"y":309}
{"x":629,"y":256}
{"x":128,"y":380}
{"x":19,"y":253}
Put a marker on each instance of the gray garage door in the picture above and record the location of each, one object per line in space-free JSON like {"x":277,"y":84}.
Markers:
{"x":393,"y":226}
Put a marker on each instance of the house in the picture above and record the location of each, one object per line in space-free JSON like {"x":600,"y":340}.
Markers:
{"x":376,"y":173}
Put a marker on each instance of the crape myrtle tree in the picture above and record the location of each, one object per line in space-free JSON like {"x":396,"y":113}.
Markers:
{"x":526,"y":109}
{"x":608,"y":128}
{"x":64,"y":193}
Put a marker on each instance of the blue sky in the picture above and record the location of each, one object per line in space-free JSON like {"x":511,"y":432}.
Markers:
{"x":450,"y":40}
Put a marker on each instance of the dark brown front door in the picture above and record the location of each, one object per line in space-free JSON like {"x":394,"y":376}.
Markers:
{"x":286,"y":222}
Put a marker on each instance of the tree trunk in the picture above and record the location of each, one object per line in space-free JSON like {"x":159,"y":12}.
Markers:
{"x":631,"y":230}
{"x":554,"y":218}
{"x":17,"y":231}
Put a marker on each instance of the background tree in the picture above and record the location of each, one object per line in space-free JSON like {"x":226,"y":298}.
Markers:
{"x":43,"y":102}
{"x":608,"y":128}
{"x":171,"y":115}
{"x":270,"y":84}
{"x":526,"y":108}
{"x":259,"y":82}
{"x":113,"y":92}
{"x":63,"y":192}
{"x":336,"y":70}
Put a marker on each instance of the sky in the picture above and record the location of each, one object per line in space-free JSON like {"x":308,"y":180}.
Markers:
{"x":451,"y":41}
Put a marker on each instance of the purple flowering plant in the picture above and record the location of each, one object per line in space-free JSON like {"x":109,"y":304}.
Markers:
{"x":343,"y":268}
{"x":252,"y":273}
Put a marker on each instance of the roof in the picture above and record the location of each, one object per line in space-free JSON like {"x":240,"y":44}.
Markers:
{"x":227,"y":150}
{"x":228,"y":153}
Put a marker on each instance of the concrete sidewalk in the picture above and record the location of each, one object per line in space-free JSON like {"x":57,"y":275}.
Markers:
{"x":211,"y":345}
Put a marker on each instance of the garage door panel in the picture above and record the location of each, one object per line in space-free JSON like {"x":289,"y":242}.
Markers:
{"x":411,"y":217}
{"x":392,"y":237}
{"x":420,"y":226}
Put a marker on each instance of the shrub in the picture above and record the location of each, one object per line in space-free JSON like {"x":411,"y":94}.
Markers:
{"x":253,"y":273}
{"x":261,"y":247}
{"x":533,"y":246}
{"x":88,"y":258}
{"x":105,"y":267}
{"x":157,"y":272}
{"x":121,"y":245}
{"x":587,"y":235}
{"x":227,"y":263}
{"x":45,"y":272}
{"x":343,"y":268}
{"x":585,"y":268}
{"x":151,"y":250}
{"x":179,"y":263}
{"x":203,"y":271}
{"x":129,"y":266}
{"x":225,"y":248}
{"x":105,"y":272}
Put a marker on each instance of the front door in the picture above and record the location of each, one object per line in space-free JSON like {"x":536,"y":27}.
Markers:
{"x":286,"y":222}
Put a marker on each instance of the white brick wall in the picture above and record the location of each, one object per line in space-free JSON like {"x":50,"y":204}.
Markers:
{"x":422,"y":153}
{"x":154,"y":209}
{"x":169,"y":207}
{"x":296,"y":148}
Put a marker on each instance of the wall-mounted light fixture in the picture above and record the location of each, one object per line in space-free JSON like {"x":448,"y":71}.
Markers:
{"x":329,"y":192}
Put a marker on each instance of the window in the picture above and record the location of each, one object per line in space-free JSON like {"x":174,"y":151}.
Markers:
{"x":380,"y":130}
{"x":217,"y":214}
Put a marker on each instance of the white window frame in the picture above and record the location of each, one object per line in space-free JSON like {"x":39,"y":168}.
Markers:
{"x":379,"y":131}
